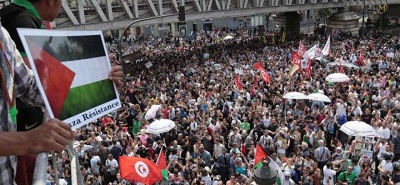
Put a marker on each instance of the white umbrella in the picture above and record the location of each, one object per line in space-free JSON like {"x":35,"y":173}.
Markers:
{"x":160,"y":126}
{"x":151,"y":113}
{"x":358,"y":128}
{"x":319,"y":97}
{"x":228,"y":37}
{"x":337,"y":77}
{"x":295,"y":96}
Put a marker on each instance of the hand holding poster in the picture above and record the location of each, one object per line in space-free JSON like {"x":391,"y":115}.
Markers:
{"x":71,"y":69}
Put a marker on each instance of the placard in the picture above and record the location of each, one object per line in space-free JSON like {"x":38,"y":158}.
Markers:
{"x":71,"y":69}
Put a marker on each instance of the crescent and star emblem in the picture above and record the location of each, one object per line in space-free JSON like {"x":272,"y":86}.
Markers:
{"x":142,"y":169}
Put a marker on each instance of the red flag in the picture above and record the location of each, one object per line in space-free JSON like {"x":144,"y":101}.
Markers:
{"x":139,"y":170}
{"x":55,"y":77}
{"x":260,"y":156}
{"x":308,"y":69}
{"x":257,"y":65}
{"x":361,"y":58}
{"x":302,"y":49}
{"x":296,"y":59}
{"x":238,"y":83}
{"x":265,"y":76}
{"x":161,"y":162}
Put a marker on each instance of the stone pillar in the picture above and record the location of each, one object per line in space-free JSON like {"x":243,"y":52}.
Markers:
{"x":173,"y":29}
{"x":290,"y":21}
{"x":156,"y":31}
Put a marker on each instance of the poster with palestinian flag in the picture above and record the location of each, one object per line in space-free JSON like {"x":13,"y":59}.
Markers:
{"x":71,"y":68}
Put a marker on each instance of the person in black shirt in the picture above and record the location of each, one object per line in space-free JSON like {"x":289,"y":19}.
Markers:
{"x":367,"y":116}
{"x":25,"y":14}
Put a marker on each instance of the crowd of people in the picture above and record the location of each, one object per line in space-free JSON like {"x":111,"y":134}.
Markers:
{"x":218,"y":124}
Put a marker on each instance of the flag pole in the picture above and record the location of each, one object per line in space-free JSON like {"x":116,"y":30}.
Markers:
{"x":40,"y":171}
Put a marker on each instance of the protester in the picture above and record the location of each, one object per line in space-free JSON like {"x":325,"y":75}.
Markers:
{"x":220,"y":120}
{"x":53,"y":135}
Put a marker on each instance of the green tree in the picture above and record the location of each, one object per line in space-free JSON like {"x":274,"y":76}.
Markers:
{"x":324,"y":13}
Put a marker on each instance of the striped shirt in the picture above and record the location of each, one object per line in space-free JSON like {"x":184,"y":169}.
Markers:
{"x":25,"y":88}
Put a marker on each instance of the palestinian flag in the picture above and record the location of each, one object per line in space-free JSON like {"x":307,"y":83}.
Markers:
{"x":261,"y":155}
{"x":73,"y":71}
{"x":139,"y":170}
{"x":162,"y":164}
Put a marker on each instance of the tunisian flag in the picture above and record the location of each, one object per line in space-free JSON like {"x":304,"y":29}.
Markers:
{"x":139,"y":170}
{"x":264,"y":74}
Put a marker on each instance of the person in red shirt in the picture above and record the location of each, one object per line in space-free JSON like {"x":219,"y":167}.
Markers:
{"x":106,"y":121}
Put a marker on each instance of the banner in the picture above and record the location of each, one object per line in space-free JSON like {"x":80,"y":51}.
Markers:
{"x":296,"y":59}
{"x":312,"y":52}
{"x":327,"y":47}
{"x":71,"y":68}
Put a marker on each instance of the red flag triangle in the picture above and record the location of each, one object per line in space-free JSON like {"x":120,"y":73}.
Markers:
{"x":55,"y":77}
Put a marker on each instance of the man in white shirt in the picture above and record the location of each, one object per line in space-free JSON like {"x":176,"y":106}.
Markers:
{"x":328,"y":174}
{"x":112,"y":168}
{"x":386,"y":166}
{"x":383,"y":131}
{"x":340,"y":108}
{"x":193,"y":124}
{"x":93,"y":163}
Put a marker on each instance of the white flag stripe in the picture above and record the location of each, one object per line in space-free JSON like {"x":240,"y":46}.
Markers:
{"x":88,"y":70}
{"x":275,"y":166}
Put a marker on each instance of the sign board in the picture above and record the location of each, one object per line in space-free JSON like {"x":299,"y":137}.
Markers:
{"x":382,"y":8}
{"x":71,"y":69}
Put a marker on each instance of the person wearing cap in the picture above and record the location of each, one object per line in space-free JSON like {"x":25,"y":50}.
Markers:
{"x":241,"y":167}
{"x":339,"y":159}
{"x":286,"y":179}
{"x":386,"y":167}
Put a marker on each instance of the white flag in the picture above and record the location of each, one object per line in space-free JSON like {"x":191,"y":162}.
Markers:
{"x":312,"y":52}
{"x":327,"y":47}
{"x":275,"y":166}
